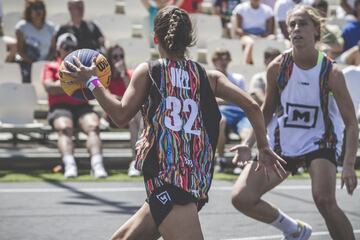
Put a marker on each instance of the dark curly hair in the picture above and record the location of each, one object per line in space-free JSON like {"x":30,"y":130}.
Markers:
{"x":174,"y":29}
{"x":29,"y":5}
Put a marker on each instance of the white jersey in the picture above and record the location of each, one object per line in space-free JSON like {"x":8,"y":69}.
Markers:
{"x":301,"y":125}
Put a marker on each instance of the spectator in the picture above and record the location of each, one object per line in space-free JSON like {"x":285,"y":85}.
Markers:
{"x":119,"y":81}
{"x":253,"y":19}
{"x":153,"y":7}
{"x":351,"y":31}
{"x":67,"y":113}
{"x":190,"y":6}
{"x":224,"y":9}
{"x":233,"y":117}
{"x":35,"y":37}
{"x":280,"y":11}
{"x":258,"y":81}
{"x":331,"y":40}
{"x":352,"y":79}
{"x":351,"y":56}
{"x":87,"y":33}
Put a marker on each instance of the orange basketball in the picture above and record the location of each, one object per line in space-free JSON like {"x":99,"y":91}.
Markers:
{"x":78,"y":90}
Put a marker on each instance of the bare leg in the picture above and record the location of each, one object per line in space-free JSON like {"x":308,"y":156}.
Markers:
{"x":89,"y":123}
{"x":64,"y":127}
{"x":323,"y":176}
{"x":247,"y":192}
{"x":248,"y":46}
{"x":182,"y":223}
{"x":140,"y":226}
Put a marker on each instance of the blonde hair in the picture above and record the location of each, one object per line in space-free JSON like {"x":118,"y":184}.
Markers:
{"x":314,"y":14}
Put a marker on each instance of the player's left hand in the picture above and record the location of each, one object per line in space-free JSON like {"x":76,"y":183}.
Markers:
{"x":80,"y":72}
{"x":349,"y":179}
{"x":269,"y":160}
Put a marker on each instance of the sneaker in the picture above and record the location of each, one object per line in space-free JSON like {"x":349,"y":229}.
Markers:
{"x":70,"y":171}
{"x":303,"y":233}
{"x":220,"y":164}
{"x":237,"y":171}
{"x":132,"y":171}
{"x":98,"y":170}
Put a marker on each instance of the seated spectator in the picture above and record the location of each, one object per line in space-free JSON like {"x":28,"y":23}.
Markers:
{"x":35,"y":37}
{"x":153,"y":7}
{"x":352,"y":79}
{"x":331,"y":40}
{"x":253,"y":19}
{"x":67,"y":113}
{"x":258,"y":81}
{"x":280,"y":12}
{"x":233,"y":117}
{"x":224,"y":9}
{"x":87,"y":33}
{"x":190,"y":6}
{"x":120,"y":78}
{"x":351,"y":31}
{"x":351,"y":56}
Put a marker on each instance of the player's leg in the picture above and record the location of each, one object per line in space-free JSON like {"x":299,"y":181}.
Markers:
{"x":140,"y":226}
{"x":323,"y":181}
{"x":182,"y":223}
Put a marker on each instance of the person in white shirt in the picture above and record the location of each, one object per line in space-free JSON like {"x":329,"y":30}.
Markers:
{"x":306,"y":104}
{"x":252,"y":19}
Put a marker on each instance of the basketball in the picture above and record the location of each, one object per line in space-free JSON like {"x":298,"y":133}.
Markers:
{"x":78,"y":90}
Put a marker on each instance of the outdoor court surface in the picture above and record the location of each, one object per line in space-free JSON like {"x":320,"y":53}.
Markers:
{"x":93,"y":211}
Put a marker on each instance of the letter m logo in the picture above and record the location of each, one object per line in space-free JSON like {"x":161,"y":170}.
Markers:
{"x":300,"y":116}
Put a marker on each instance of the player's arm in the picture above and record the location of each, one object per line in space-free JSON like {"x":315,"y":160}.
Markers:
{"x":120,"y":111}
{"x":343,"y":100}
{"x":224,"y":89}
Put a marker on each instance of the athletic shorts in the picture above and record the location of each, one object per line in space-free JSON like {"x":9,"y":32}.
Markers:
{"x":162,"y":200}
{"x":73,"y":112}
{"x":236,"y":119}
{"x":294,"y":163}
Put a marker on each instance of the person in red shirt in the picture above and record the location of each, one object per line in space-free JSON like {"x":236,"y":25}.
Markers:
{"x":66,"y":113}
{"x":190,"y":6}
{"x":120,"y":79}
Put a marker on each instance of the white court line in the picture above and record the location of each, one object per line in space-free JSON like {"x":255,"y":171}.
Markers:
{"x":279,"y":236}
{"x":128,"y":189}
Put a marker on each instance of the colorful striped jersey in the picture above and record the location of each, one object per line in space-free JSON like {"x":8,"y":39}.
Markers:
{"x":181,"y":120}
{"x":307,"y":118}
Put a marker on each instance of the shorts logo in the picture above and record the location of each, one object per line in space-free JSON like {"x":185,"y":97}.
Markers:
{"x":163,"y":197}
{"x":300,"y":116}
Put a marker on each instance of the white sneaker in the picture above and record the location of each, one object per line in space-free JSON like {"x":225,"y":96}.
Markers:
{"x":237,"y":170}
{"x":132,"y":171}
{"x":70,"y":171}
{"x":98,"y":170}
{"x":303,"y":233}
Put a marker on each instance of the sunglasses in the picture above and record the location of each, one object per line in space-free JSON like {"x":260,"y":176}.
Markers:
{"x":117,"y":56}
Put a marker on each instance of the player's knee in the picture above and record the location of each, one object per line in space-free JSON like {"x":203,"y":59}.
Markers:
{"x":242,"y":201}
{"x":324,"y":202}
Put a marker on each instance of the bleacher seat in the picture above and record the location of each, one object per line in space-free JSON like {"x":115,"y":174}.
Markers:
{"x":99,"y":7}
{"x":135,"y":10}
{"x":56,"y":7}
{"x":114,"y":27}
{"x":260,"y":44}
{"x":36,"y":71}
{"x":137,"y":50}
{"x":17,"y":105}
{"x":10,"y":72}
{"x":10,"y":19}
{"x":13,"y":6}
{"x":59,"y":19}
{"x":207,"y":28}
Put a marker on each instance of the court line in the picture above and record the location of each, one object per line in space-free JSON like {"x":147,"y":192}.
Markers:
{"x":279,"y":236}
{"x":130,"y":189}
